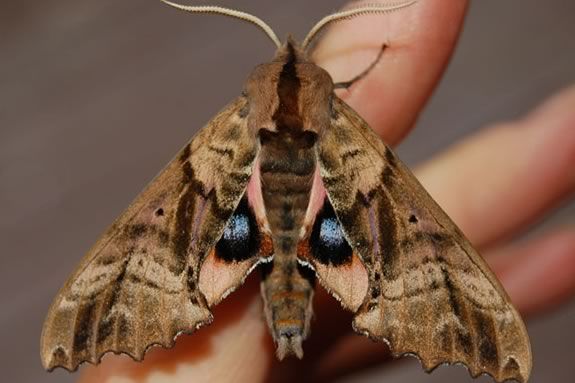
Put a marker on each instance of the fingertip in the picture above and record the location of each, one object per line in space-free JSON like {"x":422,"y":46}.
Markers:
{"x":509,"y":174}
{"x":540,"y":273}
{"x":557,"y":110}
{"x":420,"y":41}
{"x":553,"y":127}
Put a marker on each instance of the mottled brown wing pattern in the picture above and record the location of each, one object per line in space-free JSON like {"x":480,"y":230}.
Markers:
{"x":138,"y":286}
{"x":430,"y":293}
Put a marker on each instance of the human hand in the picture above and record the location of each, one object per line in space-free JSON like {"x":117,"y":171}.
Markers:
{"x":489,"y":193}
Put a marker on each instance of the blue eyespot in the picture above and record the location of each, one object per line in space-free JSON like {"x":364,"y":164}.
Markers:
{"x":240,"y":239}
{"x":330,"y":233}
{"x":237,"y":229}
{"x":327,"y":241}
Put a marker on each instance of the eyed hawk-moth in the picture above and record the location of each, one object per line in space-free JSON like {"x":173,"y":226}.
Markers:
{"x":290,"y":180}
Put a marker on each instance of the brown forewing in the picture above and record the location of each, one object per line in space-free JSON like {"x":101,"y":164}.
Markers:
{"x":138,"y":286}
{"x":429,"y":292}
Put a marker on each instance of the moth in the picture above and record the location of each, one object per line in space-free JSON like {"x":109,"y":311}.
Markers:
{"x":290,"y":180}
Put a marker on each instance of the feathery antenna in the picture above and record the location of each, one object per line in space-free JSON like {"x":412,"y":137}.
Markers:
{"x":228,"y":12}
{"x":350,"y":13}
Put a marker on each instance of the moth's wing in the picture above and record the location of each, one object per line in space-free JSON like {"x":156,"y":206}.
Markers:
{"x":429,"y":292}
{"x":140,"y":283}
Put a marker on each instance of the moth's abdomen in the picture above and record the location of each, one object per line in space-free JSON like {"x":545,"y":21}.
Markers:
{"x":287,"y":289}
{"x":287,"y":166}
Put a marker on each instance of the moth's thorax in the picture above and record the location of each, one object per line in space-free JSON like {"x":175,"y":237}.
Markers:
{"x":287,"y":162}
{"x":289,"y":93}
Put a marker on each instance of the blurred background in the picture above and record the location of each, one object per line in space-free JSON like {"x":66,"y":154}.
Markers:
{"x":96,"y":96}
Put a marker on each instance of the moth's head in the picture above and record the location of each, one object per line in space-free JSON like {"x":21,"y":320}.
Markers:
{"x":290,"y":92}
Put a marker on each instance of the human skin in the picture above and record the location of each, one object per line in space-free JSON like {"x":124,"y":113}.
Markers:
{"x":522,"y":188}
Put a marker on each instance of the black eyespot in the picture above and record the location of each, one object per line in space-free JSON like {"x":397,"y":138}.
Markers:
{"x":413,"y":219}
{"x":241,"y":238}
{"x":159,"y":212}
{"x":328,"y":243}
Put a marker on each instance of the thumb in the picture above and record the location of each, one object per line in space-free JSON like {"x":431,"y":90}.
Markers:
{"x":420,"y":40}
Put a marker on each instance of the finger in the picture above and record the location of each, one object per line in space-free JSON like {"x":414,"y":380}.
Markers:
{"x":539,"y":274}
{"x":504,"y":178}
{"x":215,"y":353}
{"x":420,"y":41}
{"x":350,"y":354}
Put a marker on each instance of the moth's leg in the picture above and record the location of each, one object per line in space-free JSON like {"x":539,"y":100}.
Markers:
{"x":348,"y":84}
